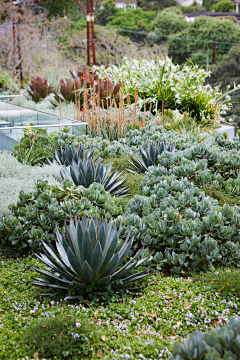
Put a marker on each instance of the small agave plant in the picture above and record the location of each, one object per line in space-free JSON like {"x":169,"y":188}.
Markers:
{"x":106,"y":88}
{"x":65,"y":157}
{"x":149,"y":156}
{"x":39,"y":89}
{"x":87,"y":171}
{"x":86,"y":256}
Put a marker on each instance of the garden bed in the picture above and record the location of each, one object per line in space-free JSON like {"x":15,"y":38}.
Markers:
{"x":179,"y":215}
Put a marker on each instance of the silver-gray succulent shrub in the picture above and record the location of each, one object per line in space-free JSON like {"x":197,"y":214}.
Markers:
{"x":16,"y":177}
{"x":181,"y":228}
{"x":87,"y":256}
{"x":222,"y":343}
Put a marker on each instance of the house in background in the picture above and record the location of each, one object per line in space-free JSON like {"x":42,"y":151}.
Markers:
{"x":188,"y":2}
{"x":200,"y":2}
{"x":123,"y":4}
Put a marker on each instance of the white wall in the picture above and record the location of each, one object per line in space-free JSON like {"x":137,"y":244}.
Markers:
{"x":188,"y":2}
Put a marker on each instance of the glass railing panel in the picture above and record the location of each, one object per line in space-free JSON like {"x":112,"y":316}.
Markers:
{"x":14,"y":119}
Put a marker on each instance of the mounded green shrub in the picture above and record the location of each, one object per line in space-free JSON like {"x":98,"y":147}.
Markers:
{"x":222,"y":343}
{"x":37,"y":213}
{"x":62,"y":337}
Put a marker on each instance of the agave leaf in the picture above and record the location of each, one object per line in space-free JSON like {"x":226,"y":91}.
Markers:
{"x":72,"y":297}
{"x":67,"y":273}
{"x":89,"y":175}
{"x":162,"y":147}
{"x":103,"y":281}
{"x":130,"y":262}
{"x":147,"y":160}
{"x":80,"y":239}
{"x":62,"y":253}
{"x":108,"y":181}
{"x":81,"y":179}
{"x":107,"y":172}
{"x":98,"y":179}
{"x":102,"y":236}
{"x":122,"y":192}
{"x":116,"y":185}
{"x":74,"y":168}
{"x":111,"y":266}
{"x":96,"y":259}
{"x":87,"y":247}
{"x":109,"y":251}
{"x":136,"y":278}
{"x":125,"y":250}
{"x":87,"y":273}
{"x":84,"y":223}
{"x":39,"y":283}
{"x":58,"y":157}
{"x":47,"y":273}
{"x":74,"y":262}
{"x":92,"y":234}
{"x":65,"y":174}
{"x":79,"y":284}
{"x":74,"y":240}
{"x":137,"y":275}
{"x":61,"y":262}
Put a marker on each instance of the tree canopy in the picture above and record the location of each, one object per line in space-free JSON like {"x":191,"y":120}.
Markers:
{"x":135,"y":20}
{"x":224,"y":6}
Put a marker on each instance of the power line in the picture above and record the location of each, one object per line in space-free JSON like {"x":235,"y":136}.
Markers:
{"x":160,"y":35}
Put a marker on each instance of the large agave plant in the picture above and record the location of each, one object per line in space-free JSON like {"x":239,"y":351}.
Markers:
{"x":39,"y":89}
{"x":67,"y":155}
{"x":87,"y":171}
{"x":149,"y":156}
{"x":86,"y":255}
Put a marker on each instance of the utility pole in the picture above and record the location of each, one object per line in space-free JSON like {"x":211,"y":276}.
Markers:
{"x":90,"y":33}
{"x":17,"y":57}
{"x":214,"y":52}
{"x":91,"y":53}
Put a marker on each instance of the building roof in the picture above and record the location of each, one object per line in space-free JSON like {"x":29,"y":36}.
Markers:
{"x":213,"y":14}
{"x":124,"y":1}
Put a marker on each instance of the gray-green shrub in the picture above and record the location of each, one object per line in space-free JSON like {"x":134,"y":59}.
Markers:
{"x":222,"y":343}
{"x":16,"y":177}
{"x":180,"y":227}
{"x":36,"y":213}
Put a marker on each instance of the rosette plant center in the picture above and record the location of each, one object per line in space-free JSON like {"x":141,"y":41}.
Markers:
{"x":39,"y":89}
{"x":86,"y":255}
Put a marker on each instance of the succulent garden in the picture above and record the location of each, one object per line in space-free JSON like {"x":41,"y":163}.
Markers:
{"x":122,"y":243}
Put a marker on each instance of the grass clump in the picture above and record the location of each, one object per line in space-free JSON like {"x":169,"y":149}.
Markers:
{"x":221,"y":196}
{"x":62,"y":336}
{"x":222,"y":280}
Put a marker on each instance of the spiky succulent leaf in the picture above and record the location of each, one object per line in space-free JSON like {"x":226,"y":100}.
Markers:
{"x":149,"y":156}
{"x":86,"y":171}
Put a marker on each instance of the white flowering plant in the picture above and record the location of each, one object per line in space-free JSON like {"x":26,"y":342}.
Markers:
{"x":165,"y":85}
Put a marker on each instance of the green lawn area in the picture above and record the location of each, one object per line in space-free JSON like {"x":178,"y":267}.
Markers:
{"x":142,"y":325}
